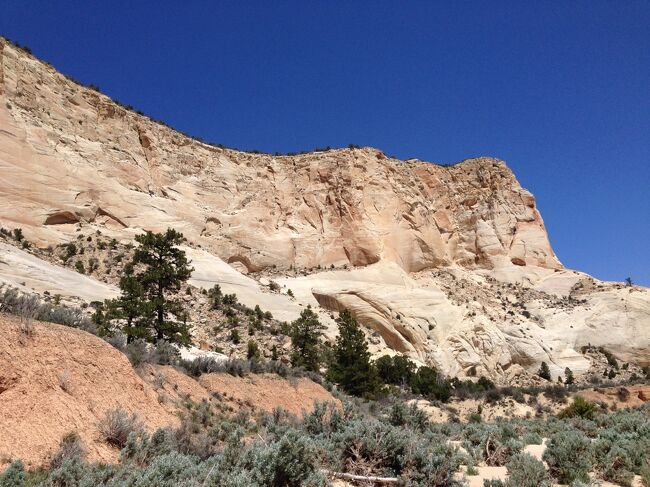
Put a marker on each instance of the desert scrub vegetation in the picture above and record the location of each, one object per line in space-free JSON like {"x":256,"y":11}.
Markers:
{"x":32,"y":307}
{"x":217,"y":447}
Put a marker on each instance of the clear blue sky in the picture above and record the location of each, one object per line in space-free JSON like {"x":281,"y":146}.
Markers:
{"x":560,"y":90}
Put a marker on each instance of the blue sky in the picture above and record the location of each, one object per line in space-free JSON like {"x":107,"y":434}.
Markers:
{"x":559,"y":90}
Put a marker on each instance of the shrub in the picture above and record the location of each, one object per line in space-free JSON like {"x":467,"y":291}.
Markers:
{"x":201,"y":365}
{"x":164,"y":353}
{"x":569,"y":456}
{"x":579,"y":408}
{"x":137,"y":352}
{"x":170,"y":470}
{"x":30,"y":306}
{"x":69,"y":448}
{"x":556,"y":393}
{"x":141,"y":448}
{"x":234,"y":336}
{"x":373,"y":443}
{"x":253,"y":351}
{"x":411,"y":415}
{"x":526,"y":471}
{"x":69,"y":474}
{"x":14,"y":475}
{"x":116,"y":426}
{"x":474,"y":417}
{"x":432,"y":465}
{"x":645,"y":473}
{"x":532,"y":438}
{"x":618,"y":467}
{"x":291,"y":462}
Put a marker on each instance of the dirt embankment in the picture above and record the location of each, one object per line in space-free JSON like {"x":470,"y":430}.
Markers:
{"x":619,"y":397}
{"x":55,"y":380}
{"x":255,"y":392}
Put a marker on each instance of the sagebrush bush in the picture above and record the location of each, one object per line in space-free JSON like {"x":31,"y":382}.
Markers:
{"x":644,"y":472}
{"x":618,"y":466}
{"x":116,"y":426}
{"x":30,"y":306}
{"x":491,"y":443}
{"x":531,"y":438}
{"x":69,"y":448}
{"x":408,"y":415}
{"x":526,"y":471}
{"x":141,"y":449}
{"x":569,"y":456}
{"x":290,"y":462}
{"x":14,"y":475}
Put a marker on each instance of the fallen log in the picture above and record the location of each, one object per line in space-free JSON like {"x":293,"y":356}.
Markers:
{"x":361,"y":478}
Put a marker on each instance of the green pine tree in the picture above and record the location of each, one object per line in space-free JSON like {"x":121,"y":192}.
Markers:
{"x":215,"y":295}
{"x":351,"y":367}
{"x":131,"y":308}
{"x":544,"y":372}
{"x":568,"y":377}
{"x":165,"y":269}
{"x":305,"y":333}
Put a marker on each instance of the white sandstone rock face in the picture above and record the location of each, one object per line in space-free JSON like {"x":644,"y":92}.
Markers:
{"x":26,"y":272}
{"x":448,"y":264}
{"x":70,"y":155}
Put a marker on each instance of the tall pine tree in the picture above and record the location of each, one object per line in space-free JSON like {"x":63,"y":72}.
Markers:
{"x":351,"y":367}
{"x":305,"y":334}
{"x":165,"y":269}
{"x":148,"y":307}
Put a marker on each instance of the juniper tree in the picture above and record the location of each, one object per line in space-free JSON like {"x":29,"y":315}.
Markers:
{"x":396,"y":370}
{"x":305,"y":333}
{"x":428,"y":382}
{"x":351,"y":367}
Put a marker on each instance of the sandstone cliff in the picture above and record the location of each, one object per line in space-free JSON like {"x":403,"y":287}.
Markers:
{"x":450,"y":264}
{"x":69,"y":155}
